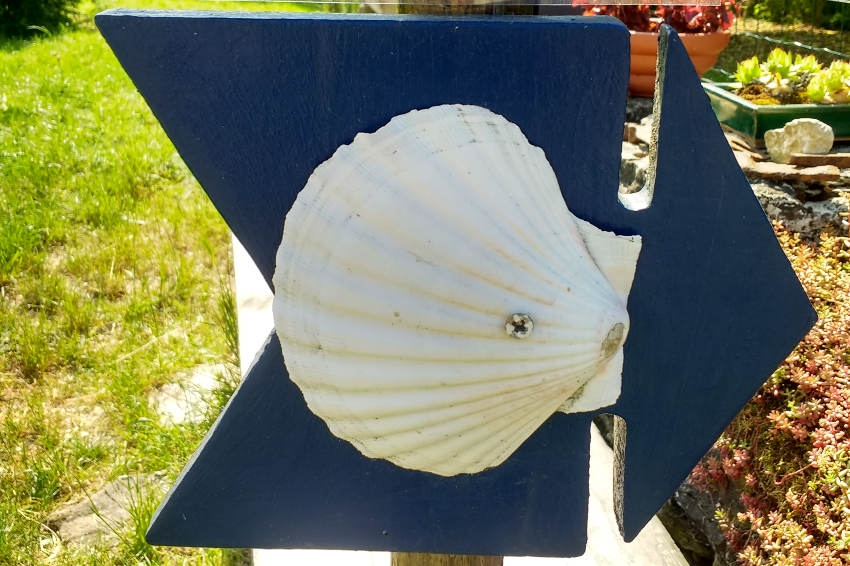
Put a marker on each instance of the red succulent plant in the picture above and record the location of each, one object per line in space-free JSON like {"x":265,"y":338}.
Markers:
{"x":683,"y":19}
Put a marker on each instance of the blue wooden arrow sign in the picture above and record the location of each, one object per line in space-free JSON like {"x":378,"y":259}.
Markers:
{"x":255,"y":103}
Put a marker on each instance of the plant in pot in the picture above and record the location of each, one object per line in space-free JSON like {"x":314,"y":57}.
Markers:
{"x":784,"y":86}
{"x":704,"y":31}
{"x":784,"y":78}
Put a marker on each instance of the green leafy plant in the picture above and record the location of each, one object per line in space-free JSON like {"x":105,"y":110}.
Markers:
{"x":784,"y":78}
{"x":682,"y":18}
{"x":808,"y":64}
{"x":822,"y":14}
{"x":779,"y":64}
{"x":748,"y":71}
{"x":832,"y":85}
{"x":26,"y":17}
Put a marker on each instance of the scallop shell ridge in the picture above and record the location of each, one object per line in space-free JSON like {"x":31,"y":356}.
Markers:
{"x":403,"y":262}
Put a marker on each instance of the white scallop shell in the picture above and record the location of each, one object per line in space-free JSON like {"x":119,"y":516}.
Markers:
{"x":402,"y":263}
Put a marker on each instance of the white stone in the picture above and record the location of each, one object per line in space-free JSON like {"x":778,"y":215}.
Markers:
{"x":186,"y":399}
{"x":103,"y":515}
{"x":803,"y":135}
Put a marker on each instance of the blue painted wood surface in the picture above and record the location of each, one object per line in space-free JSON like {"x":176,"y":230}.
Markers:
{"x":255,"y":102}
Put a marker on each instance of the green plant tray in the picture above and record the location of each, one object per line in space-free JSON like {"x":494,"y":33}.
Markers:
{"x":752,"y":121}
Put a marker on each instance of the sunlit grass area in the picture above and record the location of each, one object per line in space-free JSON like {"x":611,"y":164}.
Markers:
{"x":88,"y":8}
{"x":115,"y":279}
{"x":756,"y":37}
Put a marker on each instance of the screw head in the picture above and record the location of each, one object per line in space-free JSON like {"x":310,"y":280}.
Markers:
{"x":519,"y":326}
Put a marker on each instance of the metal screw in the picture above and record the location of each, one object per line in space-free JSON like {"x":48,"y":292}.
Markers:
{"x":519,"y":325}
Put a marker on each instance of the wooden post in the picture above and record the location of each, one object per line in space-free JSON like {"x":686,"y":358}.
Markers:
{"x":422,"y":559}
{"x":451,"y":7}
{"x":460,"y":7}
{"x":446,"y":7}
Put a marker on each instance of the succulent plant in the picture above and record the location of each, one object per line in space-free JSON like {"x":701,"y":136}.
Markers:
{"x":748,"y":71}
{"x":778,"y":64}
{"x":786,"y":78}
{"x":831,"y":85}
{"x":682,"y":18}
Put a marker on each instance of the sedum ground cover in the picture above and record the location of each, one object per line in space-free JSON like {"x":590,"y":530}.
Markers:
{"x":782,"y":467}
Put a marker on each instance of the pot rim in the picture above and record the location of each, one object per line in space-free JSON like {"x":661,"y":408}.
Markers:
{"x":683,"y":34}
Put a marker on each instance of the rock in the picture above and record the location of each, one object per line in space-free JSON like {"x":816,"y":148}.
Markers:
{"x":638,"y":108}
{"x":108,"y":512}
{"x":605,"y":424}
{"x":803,"y":135}
{"x":785,"y":172}
{"x":809,"y":219}
{"x":697,"y":509}
{"x":687,"y":534}
{"x":739,"y":143}
{"x":633,"y":167}
{"x":378,"y":7}
{"x":186,"y":400}
{"x":816,"y":201}
{"x":838,"y":159}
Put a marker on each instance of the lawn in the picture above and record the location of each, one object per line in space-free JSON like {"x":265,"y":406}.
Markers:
{"x":115,"y":279}
{"x":754,"y":37}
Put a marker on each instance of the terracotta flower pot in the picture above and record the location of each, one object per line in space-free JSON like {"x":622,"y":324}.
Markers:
{"x":704,"y":48}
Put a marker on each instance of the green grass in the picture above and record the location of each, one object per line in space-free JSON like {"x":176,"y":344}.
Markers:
{"x":88,"y":8}
{"x":114,"y":279}
{"x":743,"y":46}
